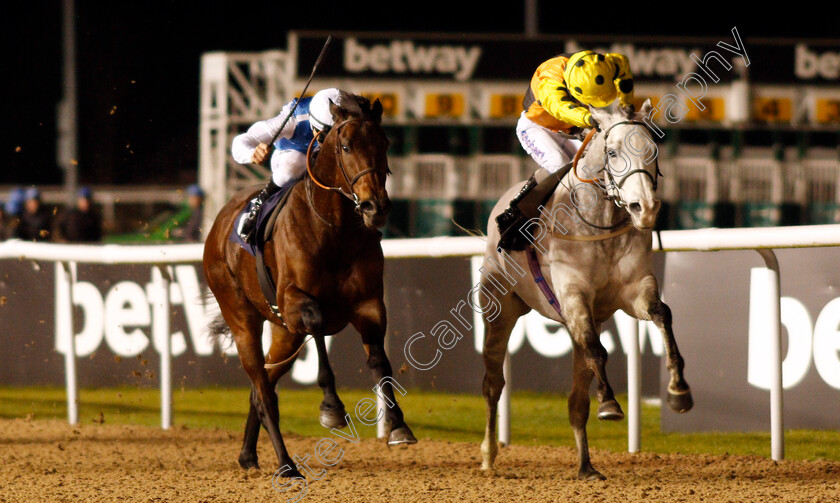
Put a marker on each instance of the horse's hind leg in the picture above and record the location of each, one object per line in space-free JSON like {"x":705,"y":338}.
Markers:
{"x":332,"y":409}
{"x":496,"y":334}
{"x":579,"y":412}
{"x":369,"y":320}
{"x":649,"y":306}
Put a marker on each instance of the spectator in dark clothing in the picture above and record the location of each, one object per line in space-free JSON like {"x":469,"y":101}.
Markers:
{"x":11,"y":214}
{"x":81,"y":224}
{"x":4,"y":230}
{"x":191,"y":231}
{"x":35,"y":219}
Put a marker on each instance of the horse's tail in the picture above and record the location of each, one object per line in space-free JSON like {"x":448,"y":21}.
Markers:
{"x":476,"y":233}
{"x":218,"y":329}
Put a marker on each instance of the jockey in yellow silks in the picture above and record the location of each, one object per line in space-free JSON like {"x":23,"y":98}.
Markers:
{"x":555,"y":114}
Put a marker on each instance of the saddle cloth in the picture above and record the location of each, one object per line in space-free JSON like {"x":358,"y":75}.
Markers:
{"x":268,"y":213}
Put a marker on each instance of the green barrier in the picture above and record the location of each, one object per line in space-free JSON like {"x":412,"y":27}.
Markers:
{"x":760,"y":214}
{"x":399,"y":219}
{"x":820,"y":212}
{"x":694,"y":214}
{"x":432,"y":217}
{"x":472,"y":215}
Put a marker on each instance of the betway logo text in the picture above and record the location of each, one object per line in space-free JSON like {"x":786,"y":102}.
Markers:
{"x":403,"y":56}
{"x":811,"y":64}
{"x":648,"y":62}
{"x":129,"y":319}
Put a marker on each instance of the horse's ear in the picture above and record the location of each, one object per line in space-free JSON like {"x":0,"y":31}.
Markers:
{"x":376,"y":110}
{"x":644,"y":111}
{"x":338,"y":113}
{"x":601,"y":115}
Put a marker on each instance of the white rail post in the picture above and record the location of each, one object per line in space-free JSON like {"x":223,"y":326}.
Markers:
{"x":504,"y":404}
{"x":777,"y":426}
{"x":68,"y":271}
{"x":161,"y":278}
{"x":634,"y":390}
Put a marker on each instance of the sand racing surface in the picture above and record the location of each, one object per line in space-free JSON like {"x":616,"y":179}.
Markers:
{"x":53,"y":461}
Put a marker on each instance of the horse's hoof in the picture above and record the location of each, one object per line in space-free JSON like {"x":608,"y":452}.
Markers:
{"x":401,"y":435}
{"x":289,"y":473}
{"x":610,"y":411}
{"x":333,"y":418}
{"x":249,"y":462}
{"x":680,"y":402}
{"x":590,"y":474}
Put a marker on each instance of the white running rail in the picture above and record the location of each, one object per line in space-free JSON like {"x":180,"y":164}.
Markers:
{"x":761,"y":239}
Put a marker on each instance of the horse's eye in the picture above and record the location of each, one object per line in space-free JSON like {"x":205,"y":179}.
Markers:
{"x":345,"y":148}
{"x":612,"y":154}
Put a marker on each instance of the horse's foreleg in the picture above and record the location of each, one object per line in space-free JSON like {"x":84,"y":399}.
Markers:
{"x":302,"y":312}
{"x":579,"y":412}
{"x":582,"y":329}
{"x":496,"y":335}
{"x":369,"y":320}
{"x":649,"y":306}
{"x":248,"y":454}
{"x":332,"y":409}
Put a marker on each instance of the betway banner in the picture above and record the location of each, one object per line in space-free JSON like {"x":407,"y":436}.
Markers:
{"x":118,"y":336}
{"x":720,"y":325}
{"x":462,"y":58}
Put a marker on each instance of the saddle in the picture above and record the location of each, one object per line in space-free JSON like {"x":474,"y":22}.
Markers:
{"x":267,"y":216}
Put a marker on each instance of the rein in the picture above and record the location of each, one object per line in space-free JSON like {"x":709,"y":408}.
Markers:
{"x":625,"y":224}
{"x":579,"y":154}
{"x":352,"y":196}
{"x":653,"y":177}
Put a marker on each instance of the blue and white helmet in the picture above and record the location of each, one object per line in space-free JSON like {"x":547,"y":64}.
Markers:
{"x":320,"y":117}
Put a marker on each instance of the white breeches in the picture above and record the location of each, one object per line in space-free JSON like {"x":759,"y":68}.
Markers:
{"x":551,"y":150}
{"x":287,"y":166}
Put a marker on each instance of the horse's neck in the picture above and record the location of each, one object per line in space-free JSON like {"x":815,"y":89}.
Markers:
{"x":330,"y":205}
{"x":603,"y":212}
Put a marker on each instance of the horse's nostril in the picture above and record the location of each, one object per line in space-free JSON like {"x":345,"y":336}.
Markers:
{"x":368,"y":207}
{"x":634,"y":207}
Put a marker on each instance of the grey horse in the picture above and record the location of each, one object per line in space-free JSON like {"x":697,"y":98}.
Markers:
{"x":592,"y":244}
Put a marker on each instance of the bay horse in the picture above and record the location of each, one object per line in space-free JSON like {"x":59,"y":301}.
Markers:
{"x":326,"y":259}
{"x":592,"y":244}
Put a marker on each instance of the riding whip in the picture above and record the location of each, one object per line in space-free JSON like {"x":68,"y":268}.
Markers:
{"x":303,"y":93}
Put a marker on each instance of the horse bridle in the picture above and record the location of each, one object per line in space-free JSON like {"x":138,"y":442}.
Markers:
{"x":616,"y":196}
{"x":352,"y":196}
{"x":654,"y":178}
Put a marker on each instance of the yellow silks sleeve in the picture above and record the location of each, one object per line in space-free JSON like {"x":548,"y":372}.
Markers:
{"x":623,"y":77}
{"x":557,"y":101}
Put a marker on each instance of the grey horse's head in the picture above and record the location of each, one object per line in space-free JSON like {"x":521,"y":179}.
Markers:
{"x":629,"y":158}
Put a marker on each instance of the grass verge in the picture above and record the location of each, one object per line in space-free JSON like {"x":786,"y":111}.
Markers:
{"x":537,"y":418}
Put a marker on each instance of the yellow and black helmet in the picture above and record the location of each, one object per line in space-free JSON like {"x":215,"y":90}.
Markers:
{"x":589,"y":78}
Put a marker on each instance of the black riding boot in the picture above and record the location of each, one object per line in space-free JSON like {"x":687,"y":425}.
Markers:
{"x":248,"y":224}
{"x":523,"y":207}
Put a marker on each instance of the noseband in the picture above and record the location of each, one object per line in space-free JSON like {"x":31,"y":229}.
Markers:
{"x":338,"y":155}
{"x":616,"y":198}
{"x":654,"y":178}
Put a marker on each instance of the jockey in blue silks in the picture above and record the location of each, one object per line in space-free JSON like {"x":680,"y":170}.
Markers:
{"x":288,"y":161}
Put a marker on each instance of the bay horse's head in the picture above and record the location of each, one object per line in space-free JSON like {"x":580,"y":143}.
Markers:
{"x":628,"y":156}
{"x":359,"y":145}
